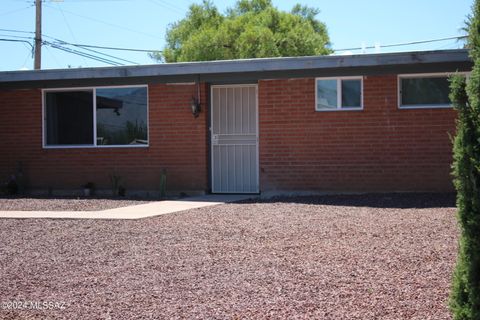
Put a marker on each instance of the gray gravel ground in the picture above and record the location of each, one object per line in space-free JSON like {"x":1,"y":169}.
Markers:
{"x":64,"y":204}
{"x":342,"y":257}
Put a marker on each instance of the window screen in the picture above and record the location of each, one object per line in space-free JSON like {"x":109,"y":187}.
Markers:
{"x":428,"y":91}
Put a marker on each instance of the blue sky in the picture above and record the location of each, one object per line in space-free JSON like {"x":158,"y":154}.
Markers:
{"x":142,"y":24}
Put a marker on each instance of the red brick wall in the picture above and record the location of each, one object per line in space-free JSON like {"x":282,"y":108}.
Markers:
{"x":178,"y":142}
{"x":380,"y":148}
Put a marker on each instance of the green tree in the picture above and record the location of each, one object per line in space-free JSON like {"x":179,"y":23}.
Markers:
{"x":465,"y":95}
{"x":251,"y":29}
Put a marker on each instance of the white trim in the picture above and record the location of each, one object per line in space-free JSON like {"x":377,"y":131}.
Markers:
{"x":91,"y":146}
{"x":339,"y":94}
{"x":258,"y":140}
{"x":94,"y":106}
{"x":246,"y":85}
{"x":44,"y":119}
{"x":423,"y":75}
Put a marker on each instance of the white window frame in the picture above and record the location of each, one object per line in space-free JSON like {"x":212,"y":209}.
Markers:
{"x":423,"y":75}
{"x":339,"y":94}
{"x":94,"y":106}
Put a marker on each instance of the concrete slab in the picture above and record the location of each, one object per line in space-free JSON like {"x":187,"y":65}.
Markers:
{"x":132,"y":212}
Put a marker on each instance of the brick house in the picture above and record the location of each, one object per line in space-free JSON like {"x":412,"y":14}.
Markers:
{"x":361,"y":123}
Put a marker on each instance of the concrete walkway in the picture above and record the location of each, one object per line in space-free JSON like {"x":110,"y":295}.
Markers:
{"x":132,"y":212}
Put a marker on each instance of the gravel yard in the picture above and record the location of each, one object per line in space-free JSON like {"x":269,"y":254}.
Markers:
{"x":337,"y":257}
{"x":64,"y":204}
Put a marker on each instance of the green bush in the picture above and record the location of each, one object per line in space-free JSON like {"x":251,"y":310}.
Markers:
{"x":465,"y":95}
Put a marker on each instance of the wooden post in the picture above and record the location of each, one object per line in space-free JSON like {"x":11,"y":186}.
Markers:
{"x":38,"y":35}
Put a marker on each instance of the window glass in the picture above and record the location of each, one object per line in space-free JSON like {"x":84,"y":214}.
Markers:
{"x":351,"y":93}
{"x":69,"y":118}
{"x":122,"y":116}
{"x":117,"y":116}
{"x":327,"y":94}
{"x":425,"y":91}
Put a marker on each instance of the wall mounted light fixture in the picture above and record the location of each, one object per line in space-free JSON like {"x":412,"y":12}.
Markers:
{"x":195,"y":107}
{"x":196,"y":101}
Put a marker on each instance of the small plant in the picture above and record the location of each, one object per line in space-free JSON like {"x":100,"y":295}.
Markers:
{"x":88,"y":189}
{"x":89,"y":185}
{"x":16,"y":182}
{"x":163,"y":183}
{"x":12,"y":186}
{"x":122,"y":191}
{"x":20,"y":178}
{"x":115,"y":180}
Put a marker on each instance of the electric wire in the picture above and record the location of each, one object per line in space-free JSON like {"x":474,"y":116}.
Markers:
{"x":61,"y":42}
{"x":16,"y":10}
{"x":344,"y":49}
{"x":83,"y":54}
{"x":167,"y":6}
{"x":106,"y":23}
{"x":404,"y":44}
{"x":68,"y":26}
{"x":116,"y":48}
{"x":89,"y":45}
{"x":107,"y":58}
{"x":17,"y":40}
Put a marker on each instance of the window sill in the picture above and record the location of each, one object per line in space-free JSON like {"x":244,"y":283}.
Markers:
{"x":336,"y":110}
{"x":426,"y":107}
{"x":96,"y":147}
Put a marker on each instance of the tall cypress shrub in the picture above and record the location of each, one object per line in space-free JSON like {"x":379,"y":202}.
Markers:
{"x":465,"y":95}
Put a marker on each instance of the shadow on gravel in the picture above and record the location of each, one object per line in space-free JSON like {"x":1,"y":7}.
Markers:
{"x":59,"y":197}
{"x":385,"y":200}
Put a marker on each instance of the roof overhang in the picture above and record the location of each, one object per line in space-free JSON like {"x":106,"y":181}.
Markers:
{"x":247,"y":70}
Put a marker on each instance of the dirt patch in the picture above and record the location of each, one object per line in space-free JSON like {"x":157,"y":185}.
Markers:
{"x":349,"y":257}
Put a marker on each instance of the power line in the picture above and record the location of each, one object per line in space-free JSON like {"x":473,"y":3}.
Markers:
{"x":404,"y":44}
{"x":61,"y":46}
{"x":115,"y":48}
{"x":68,"y":26}
{"x":344,"y":49}
{"x":79,"y":53}
{"x":167,"y":5}
{"x":106,"y":23}
{"x":59,"y":65}
{"x":61,"y":42}
{"x":17,"y":31}
{"x":89,"y":45}
{"x":16,"y":10}
{"x":15,"y":40}
{"x":18,"y":37}
{"x":80,"y":1}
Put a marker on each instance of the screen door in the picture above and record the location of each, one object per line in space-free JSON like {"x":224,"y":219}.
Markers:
{"x":234,"y":139}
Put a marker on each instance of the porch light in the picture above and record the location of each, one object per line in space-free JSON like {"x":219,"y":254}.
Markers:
{"x":195,"y":107}
{"x":196,"y":100}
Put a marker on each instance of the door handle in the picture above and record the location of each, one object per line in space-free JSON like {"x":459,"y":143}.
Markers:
{"x":214,"y":138}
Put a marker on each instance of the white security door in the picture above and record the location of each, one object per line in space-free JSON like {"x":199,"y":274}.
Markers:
{"x":234,"y":134}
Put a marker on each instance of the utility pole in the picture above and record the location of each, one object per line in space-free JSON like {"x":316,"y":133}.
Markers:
{"x":38,"y":35}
